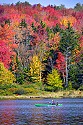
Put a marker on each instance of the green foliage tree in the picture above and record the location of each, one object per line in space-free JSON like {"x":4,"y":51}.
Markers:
{"x":68,"y":42}
{"x":69,"y":39}
{"x":6,"y":77}
{"x":76,"y":74}
{"x":59,"y":7}
{"x":73,"y":76}
{"x":80,"y":72}
{"x":78,"y":7}
{"x":54,"y":80}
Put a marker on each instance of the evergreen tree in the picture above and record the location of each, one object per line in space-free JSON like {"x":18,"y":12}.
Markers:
{"x":68,"y":42}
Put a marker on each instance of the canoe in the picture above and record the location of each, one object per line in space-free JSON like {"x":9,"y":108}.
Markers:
{"x":48,"y":105}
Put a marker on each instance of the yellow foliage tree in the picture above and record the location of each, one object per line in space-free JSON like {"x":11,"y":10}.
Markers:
{"x":54,"y":80}
{"x":66,"y":19}
{"x":6,"y":77}
{"x":54,"y":40}
{"x":35,"y":69}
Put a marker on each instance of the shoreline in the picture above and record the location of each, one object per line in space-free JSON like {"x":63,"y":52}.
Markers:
{"x":59,"y":94}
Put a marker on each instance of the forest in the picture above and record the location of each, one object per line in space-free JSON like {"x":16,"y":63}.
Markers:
{"x":41,"y":48}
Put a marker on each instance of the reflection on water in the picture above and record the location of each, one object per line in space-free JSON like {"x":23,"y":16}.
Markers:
{"x":6,"y":113}
{"x":24,"y":112}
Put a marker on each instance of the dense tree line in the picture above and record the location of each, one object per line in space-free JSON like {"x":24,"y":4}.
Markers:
{"x":41,"y":45}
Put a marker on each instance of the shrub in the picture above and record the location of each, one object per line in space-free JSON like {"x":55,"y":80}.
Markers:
{"x":5,"y":92}
{"x":31,"y":90}
{"x":12,"y":90}
{"x":49,"y":88}
{"x":19,"y":91}
{"x":81,"y":88}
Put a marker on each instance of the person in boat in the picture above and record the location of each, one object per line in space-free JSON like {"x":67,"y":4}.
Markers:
{"x":53,"y":103}
{"x":56,"y":103}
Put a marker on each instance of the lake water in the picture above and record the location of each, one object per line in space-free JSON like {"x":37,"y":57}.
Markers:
{"x":24,"y":112}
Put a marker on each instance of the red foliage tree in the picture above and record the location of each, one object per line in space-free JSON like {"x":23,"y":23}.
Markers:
{"x":5,"y":54}
{"x":60,"y":64}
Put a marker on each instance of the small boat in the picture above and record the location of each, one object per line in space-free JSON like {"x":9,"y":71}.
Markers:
{"x":48,"y":105}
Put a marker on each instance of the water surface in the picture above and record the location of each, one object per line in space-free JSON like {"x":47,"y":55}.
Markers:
{"x":24,"y":112}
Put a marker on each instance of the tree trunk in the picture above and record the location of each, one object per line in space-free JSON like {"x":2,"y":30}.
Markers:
{"x":66,"y":82}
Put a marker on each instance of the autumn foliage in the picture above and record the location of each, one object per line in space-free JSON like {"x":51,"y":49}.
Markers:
{"x":6,"y":77}
{"x":32,"y":37}
{"x":5,"y":54}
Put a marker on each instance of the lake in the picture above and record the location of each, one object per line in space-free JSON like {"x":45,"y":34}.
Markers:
{"x":24,"y":112}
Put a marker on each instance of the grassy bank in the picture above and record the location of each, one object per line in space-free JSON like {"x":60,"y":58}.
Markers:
{"x":43,"y":94}
{"x":31,"y":91}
